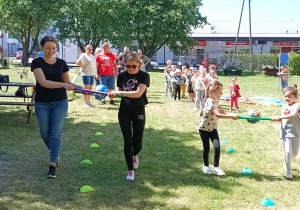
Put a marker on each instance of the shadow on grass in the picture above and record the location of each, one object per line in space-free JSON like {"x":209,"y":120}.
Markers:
{"x":167,"y":162}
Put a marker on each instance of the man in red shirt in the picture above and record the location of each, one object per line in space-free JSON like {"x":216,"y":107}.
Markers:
{"x":107,"y":69}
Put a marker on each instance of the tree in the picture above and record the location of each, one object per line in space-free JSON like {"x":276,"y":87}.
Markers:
{"x":154,"y":23}
{"x":26,"y":19}
{"x":86,"y":22}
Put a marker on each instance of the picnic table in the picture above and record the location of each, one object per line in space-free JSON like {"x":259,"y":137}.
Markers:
{"x":28,"y":99}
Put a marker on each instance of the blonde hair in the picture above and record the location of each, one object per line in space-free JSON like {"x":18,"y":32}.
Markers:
{"x":234,"y":77}
{"x":292,"y":89}
{"x":213,"y":85}
{"x":134,"y":57}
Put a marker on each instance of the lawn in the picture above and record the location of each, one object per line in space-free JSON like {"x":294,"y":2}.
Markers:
{"x":170,"y":174}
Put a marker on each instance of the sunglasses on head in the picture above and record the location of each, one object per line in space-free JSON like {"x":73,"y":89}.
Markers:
{"x":131,"y":66}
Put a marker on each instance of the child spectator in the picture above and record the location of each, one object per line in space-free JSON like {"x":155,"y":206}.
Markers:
{"x":290,"y":127}
{"x":172,"y":72}
{"x":208,"y":126}
{"x":283,"y":77}
{"x":199,"y":88}
{"x":190,"y":89}
{"x":177,"y":83}
{"x":234,"y":92}
{"x":183,"y":83}
{"x":212,"y":75}
{"x":168,"y":78}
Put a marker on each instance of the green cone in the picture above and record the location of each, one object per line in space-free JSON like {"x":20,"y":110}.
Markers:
{"x":86,"y":161}
{"x":86,"y":188}
{"x":94,"y":145}
{"x":98,"y":134}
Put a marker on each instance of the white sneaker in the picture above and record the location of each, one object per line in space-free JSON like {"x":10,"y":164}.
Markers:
{"x":86,"y":106}
{"x":289,"y":175}
{"x":206,"y":170}
{"x":135,"y":162}
{"x":218,"y":171}
{"x":91,"y":105}
{"x":130,"y":175}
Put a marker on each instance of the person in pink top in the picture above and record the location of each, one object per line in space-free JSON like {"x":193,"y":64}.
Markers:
{"x":283,"y":77}
{"x":234,"y":92}
{"x":107,"y":69}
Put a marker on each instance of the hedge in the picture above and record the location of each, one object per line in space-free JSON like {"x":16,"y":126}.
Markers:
{"x":294,"y":63}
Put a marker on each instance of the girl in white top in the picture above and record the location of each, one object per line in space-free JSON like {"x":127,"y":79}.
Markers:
{"x":290,"y":127}
{"x":199,"y":88}
{"x":87,"y":63}
{"x":209,"y":123}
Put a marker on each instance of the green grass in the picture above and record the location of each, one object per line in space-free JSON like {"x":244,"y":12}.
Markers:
{"x":170,"y":174}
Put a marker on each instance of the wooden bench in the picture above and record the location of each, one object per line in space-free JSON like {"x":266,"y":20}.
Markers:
{"x":30,"y":105}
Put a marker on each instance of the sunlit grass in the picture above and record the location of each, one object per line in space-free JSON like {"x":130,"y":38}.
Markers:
{"x":170,"y":174}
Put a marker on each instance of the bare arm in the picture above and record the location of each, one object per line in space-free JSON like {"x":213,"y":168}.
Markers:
{"x":130,"y":94}
{"x":40,"y":77}
{"x":79,"y":63}
{"x":115,"y":69}
{"x":287,"y":117}
{"x":147,"y":61}
{"x":223,"y":115}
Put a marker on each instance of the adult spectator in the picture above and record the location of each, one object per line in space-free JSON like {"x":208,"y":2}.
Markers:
{"x":144,"y":59}
{"x":51,"y":103}
{"x":107,"y":69}
{"x":132,"y":85}
{"x":169,"y":65}
{"x":97,"y":52}
{"x":88,"y":66}
{"x":122,"y":56}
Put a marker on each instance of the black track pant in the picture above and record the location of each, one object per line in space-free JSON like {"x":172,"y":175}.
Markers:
{"x":132,"y":122}
{"x":177,"y":91}
{"x":214,"y":137}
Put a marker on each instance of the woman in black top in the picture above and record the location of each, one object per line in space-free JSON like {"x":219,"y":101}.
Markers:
{"x":132,"y":85}
{"x":51,"y":103}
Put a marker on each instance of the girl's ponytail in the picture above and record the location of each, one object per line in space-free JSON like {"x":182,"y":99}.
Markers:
{"x":212,"y":86}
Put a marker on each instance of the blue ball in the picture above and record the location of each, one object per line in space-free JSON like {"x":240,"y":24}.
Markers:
{"x":102,"y":88}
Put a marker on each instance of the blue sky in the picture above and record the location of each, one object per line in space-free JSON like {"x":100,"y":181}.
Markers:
{"x":268,"y":16}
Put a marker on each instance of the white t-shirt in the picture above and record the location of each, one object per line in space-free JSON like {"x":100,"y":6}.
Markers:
{"x":197,"y":83}
{"x":209,"y":120}
{"x":89,"y":63}
{"x":290,"y":128}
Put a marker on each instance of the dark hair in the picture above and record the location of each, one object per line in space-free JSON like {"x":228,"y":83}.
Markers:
{"x":47,"y":39}
{"x":292,"y":89}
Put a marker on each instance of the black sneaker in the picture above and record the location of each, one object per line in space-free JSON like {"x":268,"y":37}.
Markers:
{"x":103,"y":101}
{"x":112,"y":102}
{"x":51,"y":173}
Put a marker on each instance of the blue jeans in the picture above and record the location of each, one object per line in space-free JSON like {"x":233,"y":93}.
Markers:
{"x":284,"y":84}
{"x":108,"y":81}
{"x":51,"y":117}
{"x":88,"y":80}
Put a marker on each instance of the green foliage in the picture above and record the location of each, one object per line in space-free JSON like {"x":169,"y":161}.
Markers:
{"x":26,"y":19}
{"x":86,"y":22}
{"x":254,"y":62}
{"x":294,"y":63}
{"x":154,"y":23}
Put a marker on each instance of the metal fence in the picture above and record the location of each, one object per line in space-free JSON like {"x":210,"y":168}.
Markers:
{"x":251,"y":63}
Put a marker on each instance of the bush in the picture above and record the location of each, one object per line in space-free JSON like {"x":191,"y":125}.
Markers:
{"x":232,"y":70}
{"x":294,"y":63}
